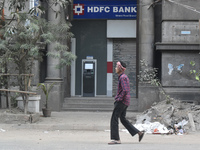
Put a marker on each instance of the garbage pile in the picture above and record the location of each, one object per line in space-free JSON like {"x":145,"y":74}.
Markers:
{"x":174,"y":118}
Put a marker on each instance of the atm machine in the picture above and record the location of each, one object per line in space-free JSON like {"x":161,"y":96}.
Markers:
{"x":89,"y":77}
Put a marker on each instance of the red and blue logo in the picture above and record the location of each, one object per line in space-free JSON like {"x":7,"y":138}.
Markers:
{"x":78,"y":9}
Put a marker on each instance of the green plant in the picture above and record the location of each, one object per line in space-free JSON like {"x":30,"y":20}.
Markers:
{"x":149,"y":75}
{"x":194,"y":71}
{"x":24,"y":36}
{"x":46,"y":90}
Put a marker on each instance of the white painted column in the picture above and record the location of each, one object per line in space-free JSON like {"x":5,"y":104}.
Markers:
{"x":109,"y":67}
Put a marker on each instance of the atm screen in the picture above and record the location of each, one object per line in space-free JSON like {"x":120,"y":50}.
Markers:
{"x":88,"y":66}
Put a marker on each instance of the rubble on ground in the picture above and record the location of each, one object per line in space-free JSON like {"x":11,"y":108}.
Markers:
{"x":176,"y":117}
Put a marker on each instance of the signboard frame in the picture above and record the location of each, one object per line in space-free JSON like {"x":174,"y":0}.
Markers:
{"x":102,"y":9}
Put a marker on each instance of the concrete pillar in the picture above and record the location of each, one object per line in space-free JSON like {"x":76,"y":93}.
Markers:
{"x":56,"y":95}
{"x":53,"y":73}
{"x":147,"y":94}
{"x":146,"y":31}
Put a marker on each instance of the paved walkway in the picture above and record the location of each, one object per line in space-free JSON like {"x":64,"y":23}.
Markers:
{"x":67,"y":120}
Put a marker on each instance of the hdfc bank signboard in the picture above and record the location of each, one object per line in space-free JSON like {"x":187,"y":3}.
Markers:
{"x":105,"y":9}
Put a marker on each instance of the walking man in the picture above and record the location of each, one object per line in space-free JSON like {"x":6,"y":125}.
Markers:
{"x":122,"y":101}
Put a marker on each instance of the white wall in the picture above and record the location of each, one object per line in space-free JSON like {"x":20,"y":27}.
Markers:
{"x":121,"y":28}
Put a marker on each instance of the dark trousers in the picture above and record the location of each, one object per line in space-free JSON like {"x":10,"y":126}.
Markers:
{"x":120,"y":112}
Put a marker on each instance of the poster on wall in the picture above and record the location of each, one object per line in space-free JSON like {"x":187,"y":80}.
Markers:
{"x":105,"y":9}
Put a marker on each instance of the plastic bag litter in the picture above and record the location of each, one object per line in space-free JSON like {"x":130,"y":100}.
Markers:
{"x":152,"y":128}
{"x":158,"y":128}
{"x":179,"y":128}
{"x":2,"y":130}
{"x":182,"y":123}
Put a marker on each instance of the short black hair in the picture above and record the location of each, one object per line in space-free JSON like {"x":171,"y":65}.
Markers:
{"x":123,"y":64}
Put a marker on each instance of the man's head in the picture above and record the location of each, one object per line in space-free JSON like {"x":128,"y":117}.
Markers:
{"x":120,"y":67}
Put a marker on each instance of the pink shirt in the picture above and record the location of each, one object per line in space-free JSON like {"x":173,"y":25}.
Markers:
{"x":123,"y":92}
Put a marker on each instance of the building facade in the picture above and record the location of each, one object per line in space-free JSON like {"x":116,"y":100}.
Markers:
{"x":179,"y":45}
{"x":106,"y":32}
{"x":164,"y":33}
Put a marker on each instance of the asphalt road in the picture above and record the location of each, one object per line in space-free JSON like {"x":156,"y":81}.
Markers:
{"x":33,"y":139}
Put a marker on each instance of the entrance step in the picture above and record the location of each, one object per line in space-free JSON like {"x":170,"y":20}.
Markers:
{"x":88,"y":104}
{"x":93,"y":104}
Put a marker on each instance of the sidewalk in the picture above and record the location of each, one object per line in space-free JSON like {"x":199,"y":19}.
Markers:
{"x":68,"y":120}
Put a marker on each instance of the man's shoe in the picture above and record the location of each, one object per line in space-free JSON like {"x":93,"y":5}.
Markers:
{"x":141,"y":135}
{"x":114,"y":142}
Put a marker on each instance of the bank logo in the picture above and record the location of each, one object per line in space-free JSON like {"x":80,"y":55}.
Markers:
{"x":78,"y":9}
